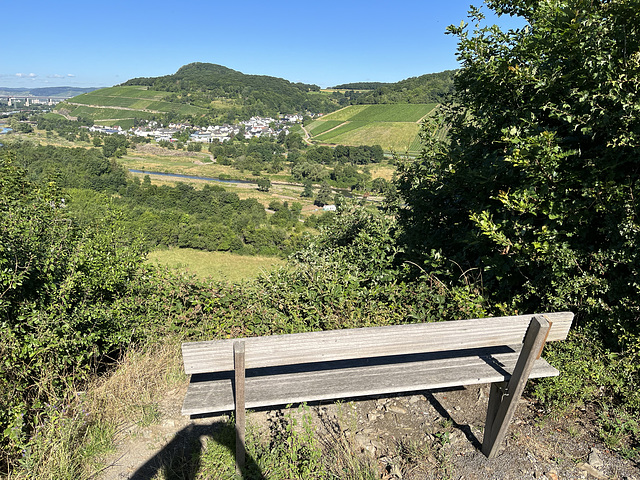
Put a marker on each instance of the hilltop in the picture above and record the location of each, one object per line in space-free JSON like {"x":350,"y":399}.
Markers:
{"x":200,"y":84}
{"x":205,"y":93}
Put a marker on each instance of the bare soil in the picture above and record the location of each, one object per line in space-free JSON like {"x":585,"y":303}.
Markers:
{"x":426,"y":435}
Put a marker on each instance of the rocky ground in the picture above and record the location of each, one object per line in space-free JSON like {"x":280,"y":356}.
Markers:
{"x":430,"y":435}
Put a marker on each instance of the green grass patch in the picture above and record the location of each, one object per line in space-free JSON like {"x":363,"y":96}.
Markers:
{"x":104,"y":101}
{"x":416,"y":144}
{"x":320,"y":126}
{"x":345,"y":128}
{"x":52,"y":115}
{"x":393,"y":113}
{"x":135,"y":98}
{"x":180,"y":108}
{"x":345,"y":113}
{"x":290,"y":449}
{"x":297,"y":128}
{"x":382,"y":113}
{"x":125,"y":123}
{"x":217,"y":265}
{"x":394,"y":127}
{"x":193,"y":164}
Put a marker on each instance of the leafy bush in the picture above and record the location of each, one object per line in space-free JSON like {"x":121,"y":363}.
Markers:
{"x":535,"y":186}
{"x":69,"y":296}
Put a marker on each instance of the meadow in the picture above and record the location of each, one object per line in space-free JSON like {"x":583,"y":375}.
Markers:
{"x":219,"y":266}
{"x":320,"y":126}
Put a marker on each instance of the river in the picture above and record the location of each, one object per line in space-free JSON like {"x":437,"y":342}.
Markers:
{"x":190,"y":177}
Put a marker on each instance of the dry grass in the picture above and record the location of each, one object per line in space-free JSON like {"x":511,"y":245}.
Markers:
{"x":77,"y":433}
{"x":382,"y":171}
{"x":132,"y":392}
{"x":195,"y":164}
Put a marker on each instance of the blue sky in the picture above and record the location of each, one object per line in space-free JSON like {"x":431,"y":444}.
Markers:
{"x":98,"y":44}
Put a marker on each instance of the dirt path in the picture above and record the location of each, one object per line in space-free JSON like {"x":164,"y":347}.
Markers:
{"x":445,"y":425}
{"x":430,"y":112}
{"x":307,"y":136}
{"x":346,"y":122}
{"x":112,"y":107}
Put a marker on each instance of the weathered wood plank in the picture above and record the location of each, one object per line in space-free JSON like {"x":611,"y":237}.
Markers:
{"x":284,"y":385}
{"x":217,"y":355}
{"x":498,"y":420}
{"x":239,"y":400}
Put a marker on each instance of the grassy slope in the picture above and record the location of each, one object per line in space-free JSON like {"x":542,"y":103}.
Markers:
{"x":125,"y":102}
{"x":394,"y":127}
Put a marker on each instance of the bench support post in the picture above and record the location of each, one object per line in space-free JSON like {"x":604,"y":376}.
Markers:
{"x":238,"y":362}
{"x":503,"y":401}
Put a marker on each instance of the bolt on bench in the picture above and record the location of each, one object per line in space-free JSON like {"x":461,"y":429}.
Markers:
{"x":234,"y":374}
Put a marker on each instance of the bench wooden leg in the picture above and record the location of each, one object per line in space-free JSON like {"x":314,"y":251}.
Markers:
{"x":503,"y":401}
{"x":238,"y":362}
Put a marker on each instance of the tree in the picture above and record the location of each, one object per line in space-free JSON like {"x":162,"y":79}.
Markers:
{"x":294,"y":140}
{"x":115,"y":146}
{"x":536,"y":186}
{"x":308,"y":190}
{"x":264,"y":184}
{"x":325,"y":195}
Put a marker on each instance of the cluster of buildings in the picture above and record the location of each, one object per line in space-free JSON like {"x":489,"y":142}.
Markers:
{"x":254,"y":127}
{"x":28,"y":101}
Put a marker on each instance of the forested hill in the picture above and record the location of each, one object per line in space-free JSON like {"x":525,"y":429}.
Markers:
{"x":204,"y":83}
{"x":428,"y":88}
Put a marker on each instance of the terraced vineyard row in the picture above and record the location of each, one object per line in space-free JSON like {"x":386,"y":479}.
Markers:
{"x":125,"y":102}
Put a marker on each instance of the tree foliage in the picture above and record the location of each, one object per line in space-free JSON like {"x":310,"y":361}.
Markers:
{"x":264,"y":184}
{"x":203,"y":83}
{"x":59,"y":287}
{"x":428,"y":88}
{"x":537,"y":184}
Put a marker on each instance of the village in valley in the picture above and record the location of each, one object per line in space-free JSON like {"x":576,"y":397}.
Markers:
{"x":254,"y":127}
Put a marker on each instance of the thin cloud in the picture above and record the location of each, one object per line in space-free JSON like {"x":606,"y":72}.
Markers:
{"x":26,"y":75}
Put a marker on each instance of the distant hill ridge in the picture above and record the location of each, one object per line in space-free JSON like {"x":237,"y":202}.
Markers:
{"x":279,"y":93}
{"x":198,"y":75}
{"x":428,"y":88}
{"x":46,"y":91}
{"x":361,"y":86}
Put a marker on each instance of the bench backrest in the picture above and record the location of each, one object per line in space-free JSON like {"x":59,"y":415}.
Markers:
{"x":348,"y":344}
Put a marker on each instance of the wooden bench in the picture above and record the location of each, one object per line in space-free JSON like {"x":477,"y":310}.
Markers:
{"x":234,"y":374}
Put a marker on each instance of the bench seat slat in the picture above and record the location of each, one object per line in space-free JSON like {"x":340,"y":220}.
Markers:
{"x":217,"y":355}
{"x":213,"y":393}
